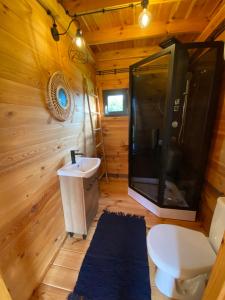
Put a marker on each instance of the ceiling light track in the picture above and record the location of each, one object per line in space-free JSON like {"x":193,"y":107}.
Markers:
{"x":144,"y":19}
{"x":104,"y":10}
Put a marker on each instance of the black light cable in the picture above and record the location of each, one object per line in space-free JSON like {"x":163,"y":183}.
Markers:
{"x":144,"y":19}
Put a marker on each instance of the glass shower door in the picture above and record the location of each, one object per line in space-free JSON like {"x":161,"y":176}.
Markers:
{"x":150,"y":83}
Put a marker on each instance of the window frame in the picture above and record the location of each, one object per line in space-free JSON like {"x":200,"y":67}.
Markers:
{"x":106,"y":93}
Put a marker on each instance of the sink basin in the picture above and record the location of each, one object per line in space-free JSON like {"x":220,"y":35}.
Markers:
{"x":84,"y":167}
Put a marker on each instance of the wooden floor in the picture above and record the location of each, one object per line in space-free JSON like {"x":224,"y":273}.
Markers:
{"x":62,"y":274}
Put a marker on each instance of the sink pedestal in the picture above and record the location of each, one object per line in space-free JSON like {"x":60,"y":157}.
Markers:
{"x":80,"y":202}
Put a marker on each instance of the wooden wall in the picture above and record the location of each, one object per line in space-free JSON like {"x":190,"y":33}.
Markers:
{"x":4,"y":293}
{"x":33,"y":145}
{"x":215,"y":288}
{"x":115,"y":129}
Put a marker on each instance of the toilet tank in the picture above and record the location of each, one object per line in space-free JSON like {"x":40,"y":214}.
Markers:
{"x":218,"y":224}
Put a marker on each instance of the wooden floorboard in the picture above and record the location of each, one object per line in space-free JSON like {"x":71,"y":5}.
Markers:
{"x":62,"y":274}
{"x":47,"y":292}
{"x":61,"y":277}
{"x":79,"y":246}
{"x":69,"y":259}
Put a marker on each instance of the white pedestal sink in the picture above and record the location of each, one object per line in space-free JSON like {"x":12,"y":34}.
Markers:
{"x":80,"y":194}
{"x":84,"y":167}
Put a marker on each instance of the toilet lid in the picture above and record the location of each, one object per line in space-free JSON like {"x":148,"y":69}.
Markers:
{"x":181,"y":252}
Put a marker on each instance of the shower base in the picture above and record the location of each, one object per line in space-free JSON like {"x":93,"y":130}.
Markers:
{"x":171,"y":213}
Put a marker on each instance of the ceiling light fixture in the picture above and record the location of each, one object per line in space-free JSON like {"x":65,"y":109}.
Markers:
{"x":145,"y":16}
{"x":143,"y":20}
{"x":78,"y":39}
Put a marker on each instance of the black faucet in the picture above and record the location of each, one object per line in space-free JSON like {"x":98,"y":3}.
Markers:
{"x":73,"y":155}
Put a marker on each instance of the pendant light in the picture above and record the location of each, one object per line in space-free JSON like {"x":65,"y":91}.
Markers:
{"x":145,"y":16}
{"x":79,"y":41}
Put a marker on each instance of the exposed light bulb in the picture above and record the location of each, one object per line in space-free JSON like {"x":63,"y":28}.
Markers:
{"x":144,"y":18}
{"x":79,"y":39}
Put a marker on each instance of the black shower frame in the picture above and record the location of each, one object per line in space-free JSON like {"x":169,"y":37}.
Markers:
{"x":212,"y":109}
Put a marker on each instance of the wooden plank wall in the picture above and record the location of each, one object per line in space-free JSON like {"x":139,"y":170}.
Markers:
{"x":215,"y":288}
{"x":33,"y":145}
{"x":115,"y":129}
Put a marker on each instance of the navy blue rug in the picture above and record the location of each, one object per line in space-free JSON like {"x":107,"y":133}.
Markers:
{"x":116,"y":264}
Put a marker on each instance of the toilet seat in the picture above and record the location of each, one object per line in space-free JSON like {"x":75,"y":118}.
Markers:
{"x":180,"y":252}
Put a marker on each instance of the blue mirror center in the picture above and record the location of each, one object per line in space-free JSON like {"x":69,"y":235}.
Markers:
{"x":62,"y":98}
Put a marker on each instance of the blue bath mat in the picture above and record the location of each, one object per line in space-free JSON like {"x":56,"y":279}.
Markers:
{"x":116,"y":264}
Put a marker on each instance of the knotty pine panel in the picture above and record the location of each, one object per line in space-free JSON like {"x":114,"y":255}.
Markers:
{"x":115,"y":129}
{"x":4,"y":293}
{"x":33,"y":145}
{"x":215,"y":288}
{"x":115,"y":132}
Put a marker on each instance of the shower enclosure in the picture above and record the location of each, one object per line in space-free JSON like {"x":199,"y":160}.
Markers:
{"x":173,"y":101}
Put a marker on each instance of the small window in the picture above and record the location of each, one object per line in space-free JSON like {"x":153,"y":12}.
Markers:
{"x":115,"y":102}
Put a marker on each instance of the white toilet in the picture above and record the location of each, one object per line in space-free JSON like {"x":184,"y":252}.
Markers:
{"x":184,"y":257}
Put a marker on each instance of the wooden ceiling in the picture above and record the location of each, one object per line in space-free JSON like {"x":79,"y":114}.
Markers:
{"x":184,"y":19}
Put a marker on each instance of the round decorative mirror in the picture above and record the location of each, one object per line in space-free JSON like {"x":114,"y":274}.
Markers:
{"x":62,"y":97}
{"x":59,"y":97}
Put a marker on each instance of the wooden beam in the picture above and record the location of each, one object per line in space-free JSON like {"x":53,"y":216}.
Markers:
{"x":214,"y":22}
{"x":125,"y":63}
{"x":115,"y":64}
{"x":134,"y":32}
{"x":77,"y":6}
{"x":126,"y":53}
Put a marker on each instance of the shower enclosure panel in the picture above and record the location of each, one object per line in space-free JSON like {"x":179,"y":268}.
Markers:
{"x":171,"y":116}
